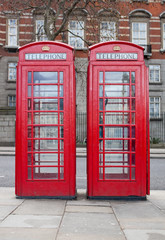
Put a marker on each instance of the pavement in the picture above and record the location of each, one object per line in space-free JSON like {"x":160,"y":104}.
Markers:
{"x":81,"y":152}
{"x":81,"y":219}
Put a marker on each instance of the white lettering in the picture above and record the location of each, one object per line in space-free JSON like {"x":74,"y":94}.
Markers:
{"x":45,"y":56}
{"x":116,"y":56}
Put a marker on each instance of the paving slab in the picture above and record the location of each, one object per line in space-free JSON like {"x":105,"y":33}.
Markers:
{"x":27,"y":234}
{"x":157,"y":197}
{"x":31,"y":221}
{"x":86,"y":202}
{"x":145,"y":234}
{"x":41,"y":207}
{"x":139,"y":215}
{"x":7,"y":196}
{"x":5,"y":210}
{"x":83,"y":226}
{"x":89,"y":209}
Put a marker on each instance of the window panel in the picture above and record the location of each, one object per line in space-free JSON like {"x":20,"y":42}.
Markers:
{"x":154,"y":73}
{"x":154,"y":107}
{"x":12,"y":32}
{"x":76,"y":39}
{"x":12,"y":71}
{"x":40,"y":32}
{"x":107,"y":31}
{"x":11,"y":101}
{"x":139,"y":33}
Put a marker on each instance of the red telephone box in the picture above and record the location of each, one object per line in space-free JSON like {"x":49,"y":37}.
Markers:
{"x":45,"y":121}
{"x":118,"y":121}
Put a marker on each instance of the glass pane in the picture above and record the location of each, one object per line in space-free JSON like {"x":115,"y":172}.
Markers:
{"x":133,"y":132}
{"x":29,"y":104}
{"x":45,"y":91}
{"x":100,"y":104}
{"x":116,"y":132}
{"x":45,"y":172}
{"x":100,"y":173}
{"x":100,"y":159}
{"x":116,"y":91}
{"x":29,"y":91}
{"x":29,"y":173}
{"x":117,"y":173}
{"x":100,"y":118}
{"x":133,"y":91}
{"x":61,"y":159}
{"x":116,"y":77}
{"x":101,"y":91}
{"x":45,"y":159}
{"x":46,"y":104}
{"x":45,"y":118}
{"x":61,"y":132}
{"x":61,"y":77}
{"x":61,"y":173}
{"x":29,"y":77}
{"x":45,"y":77}
{"x":117,"y":105}
{"x":29,"y":159}
{"x":61,"y":118}
{"x":133,"y":77}
{"x":101,"y":77}
{"x":61,"y":104}
{"x":133,"y":104}
{"x":45,"y":145}
{"x":133,"y":118}
{"x":116,"y":159}
{"x":61,"y":91}
{"x":117,"y":118}
{"x":133,"y":159}
{"x":116,"y":145}
{"x":46,"y":132}
{"x":133,"y":173}
{"x":101,"y":132}
{"x":29,"y":118}
{"x":133,"y":145}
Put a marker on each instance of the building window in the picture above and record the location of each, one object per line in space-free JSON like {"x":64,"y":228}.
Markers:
{"x":11,"y":101}
{"x":12,"y":32}
{"x":154,"y":107}
{"x":40,"y":32}
{"x":163,"y":35}
{"x":154,"y":73}
{"x":12,"y":71}
{"x":76,"y":34}
{"x":139,"y":33}
{"x":107,"y":31}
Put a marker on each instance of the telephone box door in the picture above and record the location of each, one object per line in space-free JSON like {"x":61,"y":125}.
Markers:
{"x":47,"y":162}
{"x":116,"y":130}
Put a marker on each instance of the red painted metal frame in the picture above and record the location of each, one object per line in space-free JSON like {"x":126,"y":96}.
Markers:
{"x":118,"y":187}
{"x":64,"y":187}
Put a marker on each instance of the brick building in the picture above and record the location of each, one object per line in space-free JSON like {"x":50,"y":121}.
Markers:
{"x":140,"y":22}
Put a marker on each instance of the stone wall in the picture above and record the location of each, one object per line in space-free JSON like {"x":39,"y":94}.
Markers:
{"x":7,"y":130}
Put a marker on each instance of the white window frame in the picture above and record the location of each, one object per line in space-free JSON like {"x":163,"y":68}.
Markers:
{"x":39,"y":30}
{"x":109,"y":33}
{"x":12,"y":31}
{"x":11,"y":100}
{"x":137,"y":39}
{"x":12,"y":71}
{"x":155,"y":101}
{"x":154,"y":69}
{"x":163,"y":35}
{"x":73,"y":39}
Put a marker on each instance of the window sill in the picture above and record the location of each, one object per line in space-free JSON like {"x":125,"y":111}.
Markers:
{"x":11,"y":81}
{"x":11,"y":48}
{"x":162,"y":50}
{"x":156,"y":119}
{"x":155,"y":83}
{"x":81,"y":49}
